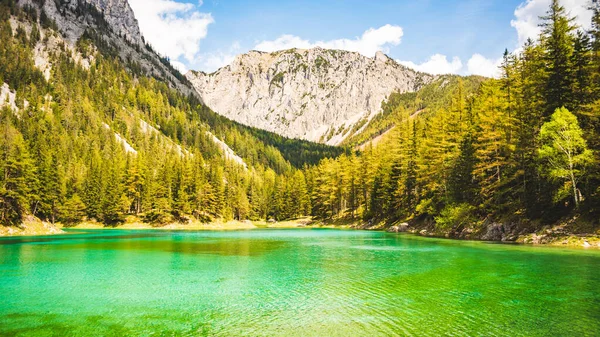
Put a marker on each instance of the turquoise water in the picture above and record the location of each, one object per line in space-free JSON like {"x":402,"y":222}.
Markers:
{"x":292,"y":283}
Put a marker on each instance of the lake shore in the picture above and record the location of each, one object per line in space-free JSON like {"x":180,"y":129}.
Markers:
{"x":571,"y":232}
{"x":546,"y":237}
{"x":36,"y":227}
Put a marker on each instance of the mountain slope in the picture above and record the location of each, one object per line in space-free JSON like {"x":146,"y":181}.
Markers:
{"x":317,"y":94}
{"x":90,"y":135}
{"x":112,"y":27}
{"x":430,"y":99}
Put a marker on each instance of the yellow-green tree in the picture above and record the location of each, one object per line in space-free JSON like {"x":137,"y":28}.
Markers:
{"x":565,"y":152}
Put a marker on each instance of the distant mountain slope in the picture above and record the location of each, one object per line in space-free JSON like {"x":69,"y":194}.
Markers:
{"x":319,"y":95}
{"x":433,"y":97}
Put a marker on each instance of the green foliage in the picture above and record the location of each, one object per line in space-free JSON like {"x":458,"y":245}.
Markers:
{"x":462,"y":150}
{"x":73,"y":210}
{"x":321,"y":62}
{"x":455,"y":216}
{"x":565,"y":152}
{"x":64,"y":157}
{"x":461,"y":180}
{"x":277,"y":79}
{"x":559,"y":47}
{"x":429,"y":99}
{"x":16,"y":171}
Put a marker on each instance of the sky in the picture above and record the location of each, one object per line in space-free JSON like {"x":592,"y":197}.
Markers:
{"x":436,"y":36}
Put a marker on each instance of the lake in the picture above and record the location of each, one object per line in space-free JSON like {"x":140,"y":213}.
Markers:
{"x":294,"y":282}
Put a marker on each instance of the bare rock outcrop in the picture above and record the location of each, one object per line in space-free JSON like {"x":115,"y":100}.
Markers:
{"x":317,"y":94}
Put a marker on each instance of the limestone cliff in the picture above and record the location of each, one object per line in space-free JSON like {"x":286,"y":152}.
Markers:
{"x":317,"y":94}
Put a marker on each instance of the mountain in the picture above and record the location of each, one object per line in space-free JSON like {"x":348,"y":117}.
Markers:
{"x":98,"y":127}
{"x":113,"y":29}
{"x":317,"y":94}
{"x":424,"y":103}
{"x":120,"y":17}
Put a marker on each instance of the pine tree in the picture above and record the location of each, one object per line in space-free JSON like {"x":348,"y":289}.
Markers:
{"x":595,"y":50}
{"x":299,"y":195}
{"x":461,"y":180}
{"x":15,"y":172}
{"x":73,"y":210}
{"x":557,"y":39}
{"x":582,"y":64}
{"x":529,"y":117}
{"x":135,"y":186}
{"x":410,"y":195}
{"x":93,"y":187}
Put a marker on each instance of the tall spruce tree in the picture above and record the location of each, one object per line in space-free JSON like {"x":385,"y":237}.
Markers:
{"x":557,"y":40}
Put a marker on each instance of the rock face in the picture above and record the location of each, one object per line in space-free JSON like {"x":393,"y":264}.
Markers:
{"x":117,"y":13}
{"x":121,"y":18}
{"x":117,"y":26}
{"x":317,"y":94}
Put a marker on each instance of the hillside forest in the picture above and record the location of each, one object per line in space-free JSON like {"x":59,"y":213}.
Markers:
{"x":100,"y":140}
{"x":467,"y":151}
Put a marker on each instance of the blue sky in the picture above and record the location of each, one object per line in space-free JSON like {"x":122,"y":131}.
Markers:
{"x":440,"y":36}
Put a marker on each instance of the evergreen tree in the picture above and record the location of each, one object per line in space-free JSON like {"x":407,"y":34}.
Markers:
{"x":15,"y":173}
{"x":582,"y":63}
{"x":557,"y":39}
{"x":461,"y":180}
{"x":73,"y":210}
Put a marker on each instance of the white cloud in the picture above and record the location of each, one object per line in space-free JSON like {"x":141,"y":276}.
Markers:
{"x":213,"y":61}
{"x":480,"y":65}
{"x":173,"y":28}
{"x":527,"y":16}
{"x":179,"y":66}
{"x":283,"y":42}
{"x":437,"y":64}
{"x":368,"y":44}
{"x":526,"y":22}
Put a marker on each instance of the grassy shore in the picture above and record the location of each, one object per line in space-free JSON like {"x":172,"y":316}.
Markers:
{"x":30,"y":227}
{"x":36,"y":227}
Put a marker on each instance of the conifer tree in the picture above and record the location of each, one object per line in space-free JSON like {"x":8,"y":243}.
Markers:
{"x":557,"y":39}
{"x":15,"y":174}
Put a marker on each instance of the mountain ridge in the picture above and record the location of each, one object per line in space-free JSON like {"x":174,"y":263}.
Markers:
{"x":113,"y":26}
{"x":320,"y":95}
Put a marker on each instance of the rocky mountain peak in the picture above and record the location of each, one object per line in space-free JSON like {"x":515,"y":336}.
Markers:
{"x":114,"y":23}
{"x":381,"y":57}
{"x":316,"y":94}
{"x":120,"y":16}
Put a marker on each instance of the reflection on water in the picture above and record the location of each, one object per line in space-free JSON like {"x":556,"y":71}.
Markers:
{"x":292,"y":282}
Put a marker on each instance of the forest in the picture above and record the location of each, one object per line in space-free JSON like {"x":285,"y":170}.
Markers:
{"x":105,"y":142}
{"x":464,"y":152}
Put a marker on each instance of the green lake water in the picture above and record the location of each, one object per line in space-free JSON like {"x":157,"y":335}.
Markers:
{"x":292,"y":283}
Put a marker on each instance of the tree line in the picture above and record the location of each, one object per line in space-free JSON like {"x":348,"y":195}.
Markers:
{"x":468,"y":150}
{"x":100,"y":141}
{"x":105,"y":142}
